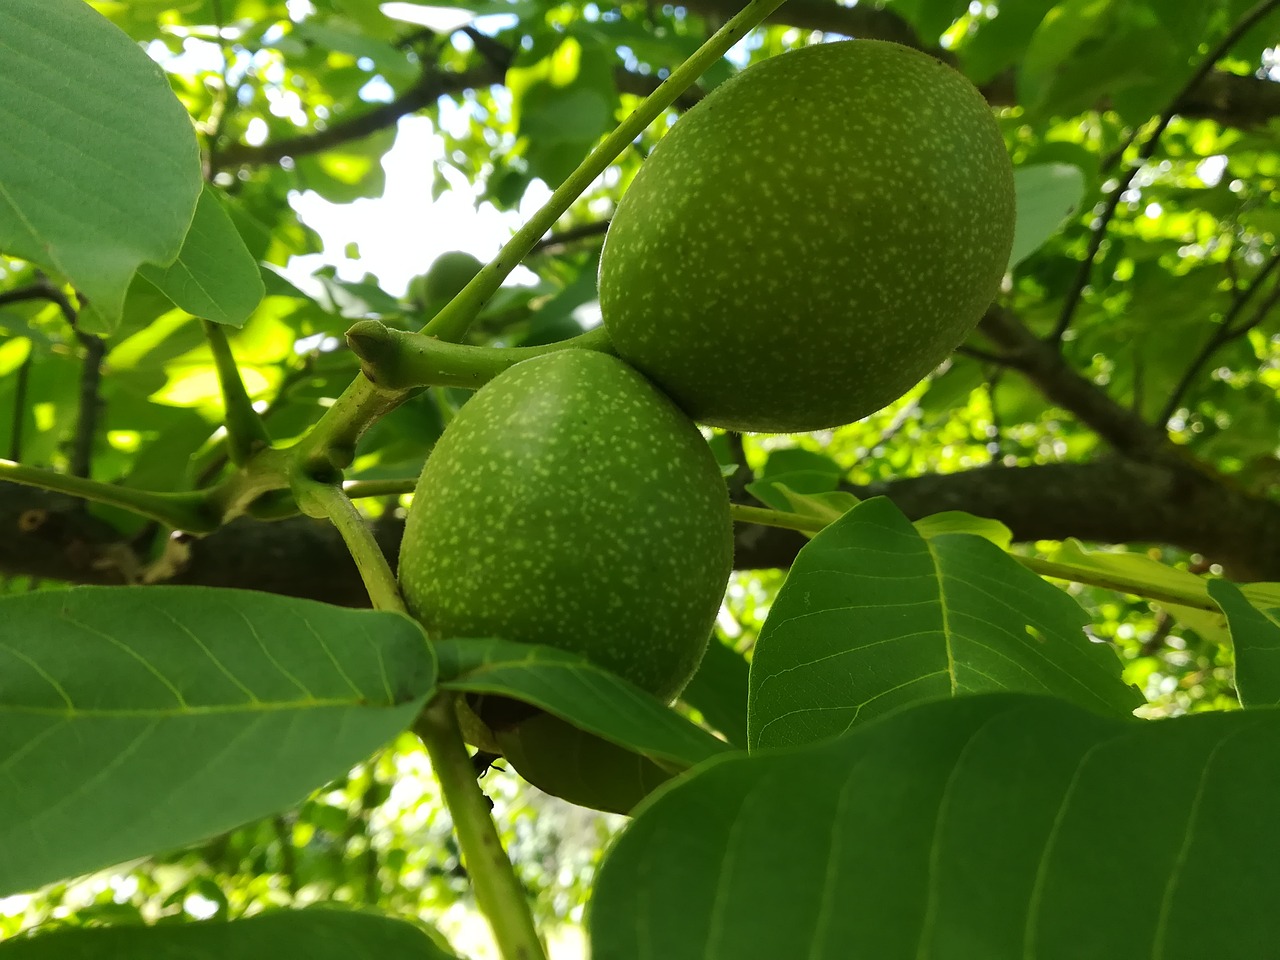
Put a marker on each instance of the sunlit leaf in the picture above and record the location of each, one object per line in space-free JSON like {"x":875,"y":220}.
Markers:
{"x":99,"y":169}
{"x":1255,"y":634}
{"x":874,"y":616}
{"x":214,"y":276}
{"x":1048,"y":195}
{"x":136,"y":720}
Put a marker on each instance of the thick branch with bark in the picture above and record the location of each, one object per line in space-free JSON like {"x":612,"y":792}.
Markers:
{"x":1042,"y":364}
{"x":1111,"y":501}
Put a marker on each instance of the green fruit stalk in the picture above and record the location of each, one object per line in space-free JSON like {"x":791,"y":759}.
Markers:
{"x":569,"y":503}
{"x":811,"y":239}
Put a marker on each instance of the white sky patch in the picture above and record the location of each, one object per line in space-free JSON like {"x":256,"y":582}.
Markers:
{"x":200,"y":907}
{"x":1211,"y":169}
{"x":440,"y":19}
{"x":401,"y":232}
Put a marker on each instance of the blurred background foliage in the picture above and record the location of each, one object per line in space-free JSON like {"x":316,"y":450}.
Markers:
{"x":1176,"y":325}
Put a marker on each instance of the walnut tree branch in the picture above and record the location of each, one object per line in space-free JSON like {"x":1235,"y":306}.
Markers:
{"x":1041,"y":363}
{"x":1114,"y":500}
{"x":1112,"y":202}
{"x":432,"y":85}
{"x":1226,"y":332}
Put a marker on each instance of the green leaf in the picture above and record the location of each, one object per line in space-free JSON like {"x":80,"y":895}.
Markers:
{"x":1121,"y":566}
{"x":317,"y":933}
{"x":214,"y":276}
{"x":349,"y":171}
{"x":569,"y":763}
{"x":808,"y":494}
{"x":137,"y":720}
{"x":792,"y":460}
{"x":577,"y":691}
{"x":1064,"y":28}
{"x":1255,"y":633}
{"x":957,"y":521}
{"x":1048,"y":196}
{"x":718,"y":691}
{"x":99,"y":167}
{"x":874,"y":616}
{"x":983,"y":827}
{"x":564,"y":103}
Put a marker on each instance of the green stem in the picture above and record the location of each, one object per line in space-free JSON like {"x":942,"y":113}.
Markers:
{"x":330,"y":444}
{"x":246,"y":433}
{"x":452,"y":321}
{"x":182,"y":511}
{"x":1191,"y":597}
{"x":355,"y":489}
{"x":776,"y":518}
{"x":498,"y":890}
{"x":399,"y":360}
{"x":1197,"y":598}
{"x":323,"y":500}
{"x":266,"y":472}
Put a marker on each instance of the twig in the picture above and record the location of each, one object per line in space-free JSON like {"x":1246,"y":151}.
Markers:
{"x":995,"y":442}
{"x":182,"y":511}
{"x":1112,"y":203}
{"x":1227,"y":331}
{"x":570,"y":235}
{"x":1247,"y":22}
{"x":984,"y":356}
{"x":220,"y":456}
{"x":355,"y":489}
{"x":246,"y":433}
{"x":20,"y":406}
{"x":1164,"y":626}
{"x":90,"y":405}
{"x":326,"y":501}
{"x":430,"y":87}
{"x":81,"y":456}
{"x":1043,"y":364}
{"x":502,"y":899}
{"x":220,"y":109}
{"x":493,"y":52}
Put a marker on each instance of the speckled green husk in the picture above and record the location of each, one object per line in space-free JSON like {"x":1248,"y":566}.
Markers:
{"x":570,"y":503}
{"x":811,"y":239}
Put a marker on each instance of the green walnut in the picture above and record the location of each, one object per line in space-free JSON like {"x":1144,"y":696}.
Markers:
{"x":445,"y":278}
{"x":811,"y":239}
{"x":569,"y":503}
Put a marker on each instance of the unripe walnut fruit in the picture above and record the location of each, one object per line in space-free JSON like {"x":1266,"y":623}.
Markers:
{"x":811,"y":239}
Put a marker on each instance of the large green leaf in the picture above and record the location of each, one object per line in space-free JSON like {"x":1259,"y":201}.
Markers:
{"x":317,"y":934}
{"x":873,"y":616}
{"x":99,"y":168}
{"x":590,"y":698}
{"x":214,"y":276}
{"x":1048,"y":194}
{"x":137,"y":720}
{"x":569,"y":763}
{"x":1255,"y":634}
{"x":988,"y":827}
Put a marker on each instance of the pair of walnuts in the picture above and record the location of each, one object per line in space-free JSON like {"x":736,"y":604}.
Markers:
{"x":806,"y":243}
